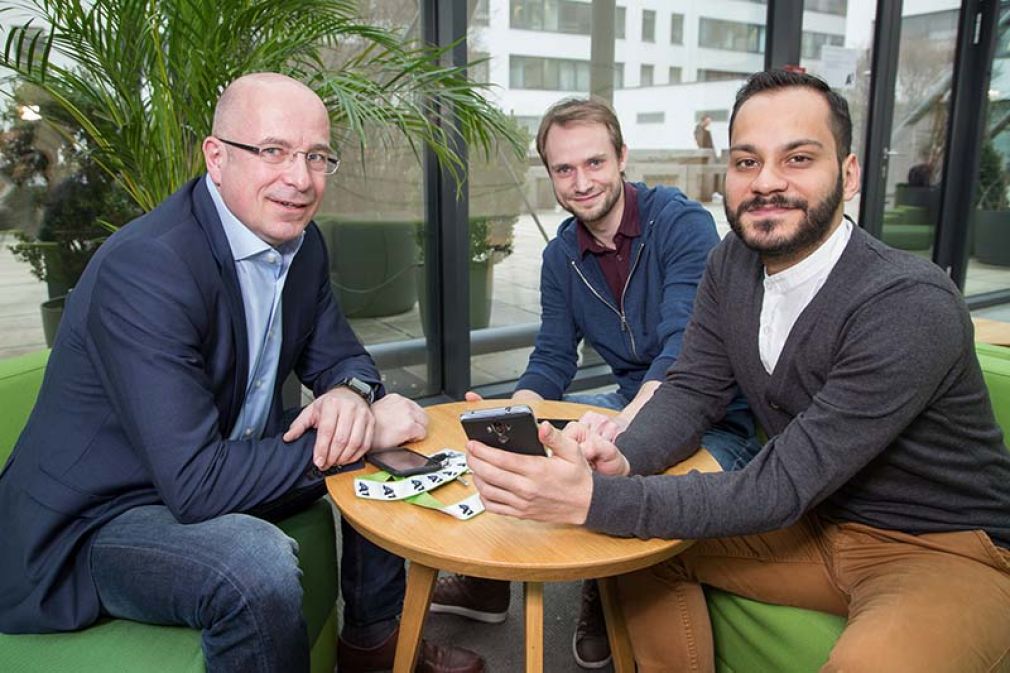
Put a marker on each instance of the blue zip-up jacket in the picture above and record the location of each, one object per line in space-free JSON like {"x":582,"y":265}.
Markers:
{"x":641,"y":342}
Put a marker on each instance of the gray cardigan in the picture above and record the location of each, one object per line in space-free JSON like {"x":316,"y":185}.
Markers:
{"x":877,"y":411}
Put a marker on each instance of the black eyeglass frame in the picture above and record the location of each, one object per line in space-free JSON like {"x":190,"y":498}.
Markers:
{"x":332,"y":161}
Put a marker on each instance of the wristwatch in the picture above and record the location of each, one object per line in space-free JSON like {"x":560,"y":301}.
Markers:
{"x":365,"y":390}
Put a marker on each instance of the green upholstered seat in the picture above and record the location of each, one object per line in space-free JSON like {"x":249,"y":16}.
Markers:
{"x":755,"y":637}
{"x":122,"y":646}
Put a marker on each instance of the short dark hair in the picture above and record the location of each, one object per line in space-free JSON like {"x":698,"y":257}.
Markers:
{"x":774,"y":80}
{"x":579,"y":111}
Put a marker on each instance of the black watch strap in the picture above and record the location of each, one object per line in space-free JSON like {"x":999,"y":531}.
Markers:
{"x":365,"y":390}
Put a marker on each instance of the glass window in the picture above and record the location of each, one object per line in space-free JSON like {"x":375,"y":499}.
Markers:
{"x":645,"y":75}
{"x":731,"y":35}
{"x":534,"y":73}
{"x":714,"y":75}
{"x":812,"y":43}
{"x":842,"y":58}
{"x":839,"y":7}
{"x":648,"y":25}
{"x":650,"y":117}
{"x":676,"y":29}
{"x":989,"y":237}
{"x":719,"y":115}
{"x":556,"y":16}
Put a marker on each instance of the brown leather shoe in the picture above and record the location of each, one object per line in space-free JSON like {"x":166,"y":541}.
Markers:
{"x":431,"y":658}
{"x":589,"y":644}
{"x":471,"y":597}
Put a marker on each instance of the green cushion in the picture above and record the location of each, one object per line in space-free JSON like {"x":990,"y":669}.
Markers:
{"x":20,"y":380}
{"x":115,"y":645}
{"x":754,"y":637}
{"x":995,"y":362}
{"x":907,"y":236}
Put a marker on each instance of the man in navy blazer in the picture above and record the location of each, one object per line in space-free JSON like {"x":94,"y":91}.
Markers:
{"x":159,"y":426}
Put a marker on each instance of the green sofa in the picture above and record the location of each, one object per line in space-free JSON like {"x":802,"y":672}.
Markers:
{"x":754,"y":637}
{"x":121,"y":646}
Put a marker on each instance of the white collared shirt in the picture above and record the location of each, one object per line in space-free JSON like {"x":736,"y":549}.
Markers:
{"x":262,"y":271}
{"x":788,"y":292}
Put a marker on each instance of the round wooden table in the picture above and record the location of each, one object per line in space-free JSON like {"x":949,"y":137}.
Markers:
{"x":498,"y":547}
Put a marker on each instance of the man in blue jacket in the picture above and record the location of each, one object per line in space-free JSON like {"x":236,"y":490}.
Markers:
{"x":158,"y":433}
{"x":621,"y":275}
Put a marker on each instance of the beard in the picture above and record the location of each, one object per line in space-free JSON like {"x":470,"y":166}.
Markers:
{"x":812,"y":228}
{"x":593,"y":215}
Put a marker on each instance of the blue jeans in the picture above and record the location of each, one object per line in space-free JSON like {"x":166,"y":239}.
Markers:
{"x":732,"y":441}
{"x":236,"y":578}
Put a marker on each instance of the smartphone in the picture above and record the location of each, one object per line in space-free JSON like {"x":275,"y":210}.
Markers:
{"x":511,"y":428}
{"x":403,"y":462}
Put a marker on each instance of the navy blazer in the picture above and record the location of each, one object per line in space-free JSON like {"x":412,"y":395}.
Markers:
{"x":145,"y":381}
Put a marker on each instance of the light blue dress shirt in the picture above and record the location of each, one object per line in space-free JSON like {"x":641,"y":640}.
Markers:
{"x":262,"y":270}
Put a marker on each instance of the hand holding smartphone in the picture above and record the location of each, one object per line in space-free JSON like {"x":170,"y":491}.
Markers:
{"x":512,"y":428}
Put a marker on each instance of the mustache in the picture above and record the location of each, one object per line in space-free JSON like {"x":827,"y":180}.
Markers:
{"x":778,"y":201}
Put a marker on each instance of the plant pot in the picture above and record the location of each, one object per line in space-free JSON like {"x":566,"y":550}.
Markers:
{"x":52,"y":312}
{"x":481,"y":293}
{"x":371,"y":265}
{"x":992,"y":237}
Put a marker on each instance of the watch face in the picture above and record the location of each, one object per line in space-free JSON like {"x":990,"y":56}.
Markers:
{"x":360,"y":387}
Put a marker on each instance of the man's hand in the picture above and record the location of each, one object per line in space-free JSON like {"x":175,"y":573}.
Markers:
{"x":398,"y":420}
{"x":344,"y":427}
{"x":519,"y":396}
{"x":601,"y":454}
{"x":607,"y":427}
{"x":556,"y":489}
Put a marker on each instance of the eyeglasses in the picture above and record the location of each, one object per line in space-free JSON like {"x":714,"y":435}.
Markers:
{"x":316,"y":160}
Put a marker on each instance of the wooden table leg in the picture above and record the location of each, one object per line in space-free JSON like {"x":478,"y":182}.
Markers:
{"x":420,"y":584}
{"x":534,"y":614}
{"x":617,"y":630}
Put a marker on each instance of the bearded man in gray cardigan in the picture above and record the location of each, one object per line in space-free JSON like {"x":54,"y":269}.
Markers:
{"x":883,"y":493}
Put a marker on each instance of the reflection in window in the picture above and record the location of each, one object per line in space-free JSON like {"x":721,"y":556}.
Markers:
{"x":622,"y":15}
{"x":676,"y":74}
{"x":676,"y":29}
{"x":731,"y":36}
{"x":554,"y":74}
{"x":645,"y":76}
{"x":812,"y":43}
{"x":648,"y":25}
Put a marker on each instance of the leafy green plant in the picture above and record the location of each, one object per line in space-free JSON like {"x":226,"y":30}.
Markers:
{"x":993,"y":181}
{"x":144,"y":75}
{"x":77,"y":216}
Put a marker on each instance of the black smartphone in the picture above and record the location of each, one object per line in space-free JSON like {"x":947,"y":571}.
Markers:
{"x":403,"y":462}
{"x":511,"y":428}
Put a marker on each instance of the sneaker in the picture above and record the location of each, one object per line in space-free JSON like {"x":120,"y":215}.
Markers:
{"x":590,"y":645}
{"x":471,"y":597}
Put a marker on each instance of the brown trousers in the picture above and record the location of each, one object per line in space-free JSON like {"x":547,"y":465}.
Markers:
{"x":938,"y":602}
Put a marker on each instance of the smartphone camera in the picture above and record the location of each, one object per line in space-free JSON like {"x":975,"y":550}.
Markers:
{"x":500,"y":429}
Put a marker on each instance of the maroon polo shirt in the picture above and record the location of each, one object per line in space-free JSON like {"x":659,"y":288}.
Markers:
{"x":615,"y":264}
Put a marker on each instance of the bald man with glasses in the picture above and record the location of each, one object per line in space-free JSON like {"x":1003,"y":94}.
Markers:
{"x":158,"y":441}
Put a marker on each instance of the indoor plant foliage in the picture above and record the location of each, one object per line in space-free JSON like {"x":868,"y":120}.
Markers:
{"x":142,"y":78}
